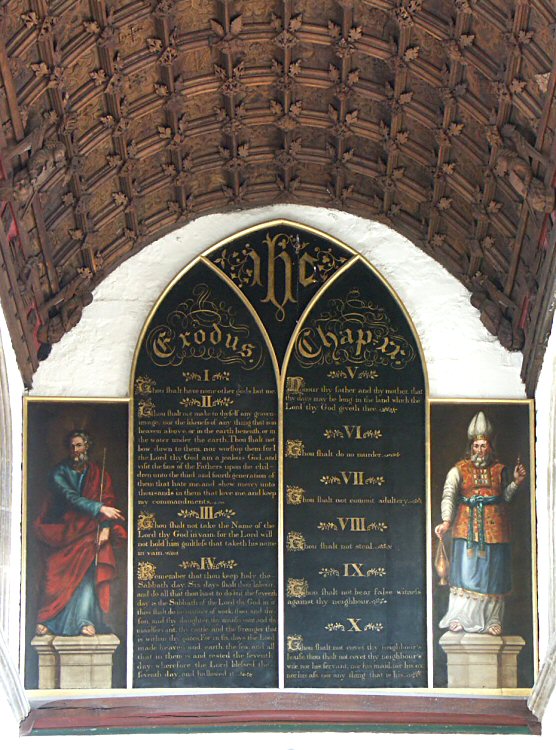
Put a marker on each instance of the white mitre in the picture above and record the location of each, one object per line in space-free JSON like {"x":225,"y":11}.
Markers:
{"x":480,"y":428}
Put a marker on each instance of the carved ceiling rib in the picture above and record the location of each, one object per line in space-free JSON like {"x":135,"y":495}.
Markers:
{"x":123,"y":120}
{"x":540,"y":278}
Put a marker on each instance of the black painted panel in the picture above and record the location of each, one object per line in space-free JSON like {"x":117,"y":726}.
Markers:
{"x":354,"y":475}
{"x":205,"y":502}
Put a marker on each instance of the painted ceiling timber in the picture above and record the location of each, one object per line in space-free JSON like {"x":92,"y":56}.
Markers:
{"x":123,"y":121}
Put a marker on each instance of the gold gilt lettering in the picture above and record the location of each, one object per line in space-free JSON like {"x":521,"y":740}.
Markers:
{"x":306,"y":347}
{"x":393,"y":353}
{"x":231,"y":342}
{"x":161,"y":346}
{"x":354,"y":622}
{"x":355,"y":332}
{"x":355,"y":568}
{"x":199,"y":336}
{"x":355,"y":523}
{"x":304,"y":261}
{"x":208,"y":563}
{"x":287,"y":294}
{"x":360,"y":338}
{"x":256,"y":278}
{"x":206,"y":512}
{"x":328,"y":339}
{"x":206,"y":400}
{"x":353,"y":431}
{"x":353,"y":477}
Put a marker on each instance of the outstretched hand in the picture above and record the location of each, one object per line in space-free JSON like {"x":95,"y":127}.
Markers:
{"x":111,"y":514}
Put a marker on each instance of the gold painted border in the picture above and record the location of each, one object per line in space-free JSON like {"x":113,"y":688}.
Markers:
{"x":530,"y":402}
{"x":287,"y":355}
{"x":428,"y":543}
{"x":68,"y":400}
{"x":356,"y":255}
{"x":203,"y":260}
{"x":131,"y":480}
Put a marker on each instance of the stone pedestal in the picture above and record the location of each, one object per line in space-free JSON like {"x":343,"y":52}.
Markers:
{"x":75,"y":662}
{"x":48,"y":662}
{"x":479,"y":660}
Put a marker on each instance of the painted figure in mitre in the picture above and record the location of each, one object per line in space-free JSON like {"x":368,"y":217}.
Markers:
{"x":474,"y":507}
{"x":78,"y":526}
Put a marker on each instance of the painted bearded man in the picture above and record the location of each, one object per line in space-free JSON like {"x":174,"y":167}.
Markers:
{"x":77,"y":526}
{"x":475,"y":507}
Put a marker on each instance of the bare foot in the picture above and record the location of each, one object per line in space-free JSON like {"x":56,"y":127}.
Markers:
{"x":456,"y":626}
{"x":495,"y":629}
{"x":41,"y":629}
{"x":88,"y":630}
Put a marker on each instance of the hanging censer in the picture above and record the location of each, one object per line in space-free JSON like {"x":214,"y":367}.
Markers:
{"x":442,"y":563}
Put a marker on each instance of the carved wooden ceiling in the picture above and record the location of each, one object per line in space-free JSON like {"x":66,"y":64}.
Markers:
{"x":123,"y":121}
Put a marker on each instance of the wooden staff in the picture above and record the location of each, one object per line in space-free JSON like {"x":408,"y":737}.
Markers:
{"x":100,"y":500}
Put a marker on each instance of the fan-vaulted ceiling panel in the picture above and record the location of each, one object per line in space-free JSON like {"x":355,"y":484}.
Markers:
{"x":123,"y":120}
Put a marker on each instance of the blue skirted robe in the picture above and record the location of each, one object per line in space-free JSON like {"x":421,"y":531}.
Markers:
{"x":83,"y":608}
{"x":489,"y":573}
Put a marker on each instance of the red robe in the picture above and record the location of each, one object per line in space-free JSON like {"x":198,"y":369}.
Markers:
{"x":72,"y":548}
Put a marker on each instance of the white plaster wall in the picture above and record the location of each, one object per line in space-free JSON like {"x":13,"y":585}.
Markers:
{"x":13,"y":702}
{"x":94,"y":359}
{"x":10,"y":533}
{"x":545,"y":402}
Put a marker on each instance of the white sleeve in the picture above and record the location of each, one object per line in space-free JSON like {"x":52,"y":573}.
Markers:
{"x":510,"y":490}
{"x":450,"y":494}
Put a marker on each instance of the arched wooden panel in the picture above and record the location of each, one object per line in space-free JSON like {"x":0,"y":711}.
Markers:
{"x":355,"y":486}
{"x":279,"y":396}
{"x":205,"y":499}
